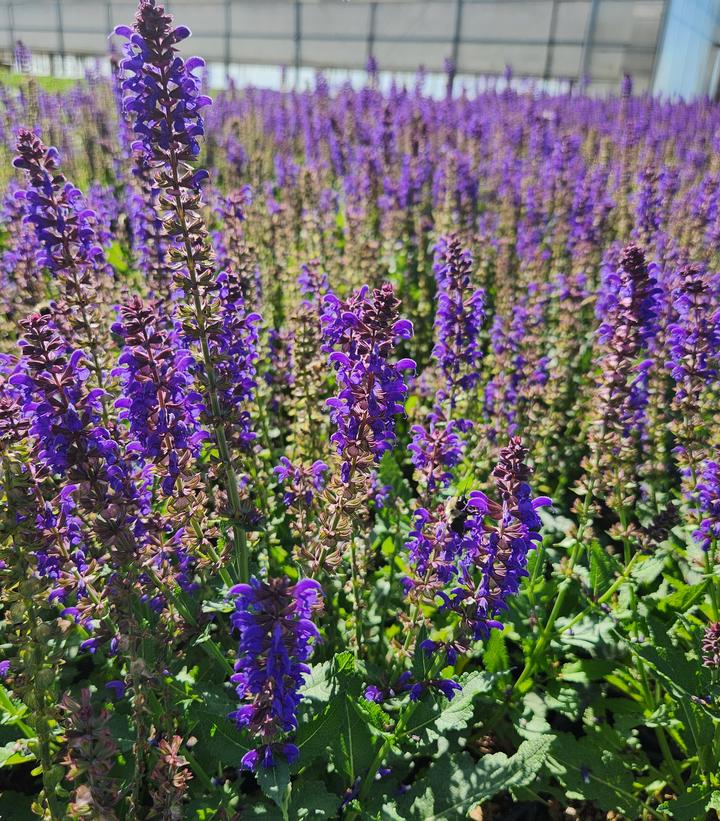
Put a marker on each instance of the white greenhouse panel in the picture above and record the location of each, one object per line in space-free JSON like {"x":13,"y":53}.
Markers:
{"x":507,"y":21}
{"x":415,"y":20}
{"x":275,"y":51}
{"x":326,"y":20}
{"x":400,"y":56}
{"x":566,"y":61}
{"x":260,"y":19}
{"x":330,"y":53}
{"x":492,"y":59}
{"x":572,"y":20}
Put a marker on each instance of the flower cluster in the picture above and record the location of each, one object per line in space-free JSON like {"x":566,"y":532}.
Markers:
{"x":436,"y":448}
{"x":707,"y":496}
{"x":274,"y":622}
{"x":161,"y":95}
{"x":163,"y":120}
{"x":628,"y":306}
{"x":474,"y":557}
{"x":66,"y":232}
{"x":459,"y":317}
{"x":301,"y":483}
{"x":158,"y":399}
{"x":234,"y":350}
{"x":55,"y":207}
{"x":65,"y":413}
{"x":362,"y":333}
{"x":693,"y":342}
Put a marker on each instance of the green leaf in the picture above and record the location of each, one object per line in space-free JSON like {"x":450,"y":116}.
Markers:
{"x":310,"y":799}
{"x":649,"y":569}
{"x":682,"y":598}
{"x":346,"y":725}
{"x":316,"y":729}
{"x":714,"y":802}
{"x":219,"y":740}
{"x":591,"y":770}
{"x":275,"y":784}
{"x":16,"y":752}
{"x":457,"y":712}
{"x":353,"y":746}
{"x":587,"y":670}
{"x":454,"y":784}
{"x":603,"y":569}
{"x":319,"y":684}
{"x":691,"y":805}
{"x":495,"y":657}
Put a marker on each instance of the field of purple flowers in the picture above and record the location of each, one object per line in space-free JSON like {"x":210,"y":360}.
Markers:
{"x":359,"y":450}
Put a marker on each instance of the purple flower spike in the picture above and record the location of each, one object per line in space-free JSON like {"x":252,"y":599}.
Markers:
{"x":360,"y":336}
{"x":459,"y":318}
{"x":274,"y":622}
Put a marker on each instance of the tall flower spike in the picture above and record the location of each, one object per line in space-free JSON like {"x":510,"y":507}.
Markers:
{"x":69,"y":248}
{"x":70,"y":439}
{"x":474,"y":559}
{"x":693,"y":341}
{"x":158,"y":398}
{"x":362,"y":333}
{"x":459,"y":317}
{"x":628,"y":305}
{"x":162,"y":96}
{"x":274,"y":623}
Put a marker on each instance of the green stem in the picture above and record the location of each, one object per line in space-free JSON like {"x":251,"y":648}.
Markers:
{"x":231,"y":485}
{"x":606,"y":596}
{"x":377,"y":762}
{"x":546,"y":634}
{"x":357,"y":599}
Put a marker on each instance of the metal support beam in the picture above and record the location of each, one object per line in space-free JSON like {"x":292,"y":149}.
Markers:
{"x":662,"y":30}
{"x":371,"y":31}
{"x":550,"y":51}
{"x":455,"y":53}
{"x":60,"y":33}
{"x":298,"y":40}
{"x":11,"y":29}
{"x":228,"y":33}
{"x":588,"y":41}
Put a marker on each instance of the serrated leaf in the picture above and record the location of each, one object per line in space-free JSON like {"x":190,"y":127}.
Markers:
{"x":648,"y":570}
{"x":310,"y":799}
{"x":275,"y":783}
{"x":319,"y":684}
{"x":589,"y":770}
{"x":454,"y":784}
{"x":532,"y":723}
{"x":495,"y":657}
{"x":604,"y":568}
{"x":456,"y":713}
{"x":689,"y":806}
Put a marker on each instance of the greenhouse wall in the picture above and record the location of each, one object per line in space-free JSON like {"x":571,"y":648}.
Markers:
{"x":594,"y":42}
